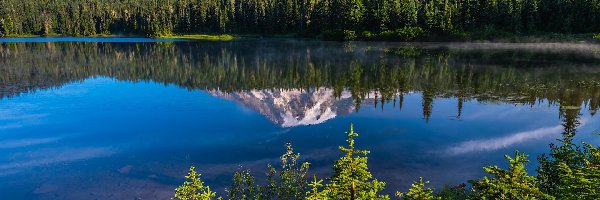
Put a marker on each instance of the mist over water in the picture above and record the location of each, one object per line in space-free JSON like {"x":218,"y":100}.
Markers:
{"x":96,"y":119}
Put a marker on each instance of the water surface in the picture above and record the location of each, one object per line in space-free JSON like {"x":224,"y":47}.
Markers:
{"x":97,"y":119}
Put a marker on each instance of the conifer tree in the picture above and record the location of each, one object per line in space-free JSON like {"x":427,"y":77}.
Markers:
{"x":513,"y":183}
{"x":571,"y":171}
{"x":418,"y":192}
{"x":193,"y":188}
{"x":243,"y":187}
{"x":352,"y":179}
{"x":315,"y":188}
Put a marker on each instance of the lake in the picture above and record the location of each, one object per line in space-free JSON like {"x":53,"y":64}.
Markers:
{"x":124,"y":118}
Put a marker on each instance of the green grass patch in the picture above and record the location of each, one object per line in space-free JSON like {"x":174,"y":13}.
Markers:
{"x":222,"y":37}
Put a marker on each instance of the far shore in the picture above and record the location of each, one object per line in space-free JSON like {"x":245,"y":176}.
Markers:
{"x":533,"y":38}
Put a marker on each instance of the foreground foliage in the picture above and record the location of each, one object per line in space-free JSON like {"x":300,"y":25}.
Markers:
{"x":513,"y":183}
{"x":289,"y":183}
{"x":193,"y":188}
{"x":351,"y":178}
{"x":569,"y":172}
{"x":418,"y":192}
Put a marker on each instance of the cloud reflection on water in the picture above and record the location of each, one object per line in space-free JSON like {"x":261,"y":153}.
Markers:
{"x":506,"y":141}
{"x":52,"y":156}
{"x":7,"y":144}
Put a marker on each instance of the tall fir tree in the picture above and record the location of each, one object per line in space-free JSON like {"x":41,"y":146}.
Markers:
{"x":352,"y":178}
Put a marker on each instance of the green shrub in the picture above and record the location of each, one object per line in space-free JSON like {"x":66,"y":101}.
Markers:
{"x":349,"y":35}
{"x":597,"y":36}
{"x":404,"y":34}
{"x":290,"y":183}
{"x":513,"y":183}
{"x":410,"y":33}
{"x":386,"y":35}
{"x":570,"y":171}
{"x":292,"y":180}
{"x":367,"y":35}
{"x":243,"y":187}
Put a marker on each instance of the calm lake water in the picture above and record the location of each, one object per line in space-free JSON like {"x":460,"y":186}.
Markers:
{"x":125,"y":118}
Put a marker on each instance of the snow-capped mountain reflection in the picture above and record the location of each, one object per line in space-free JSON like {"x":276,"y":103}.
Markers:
{"x":293,"y":107}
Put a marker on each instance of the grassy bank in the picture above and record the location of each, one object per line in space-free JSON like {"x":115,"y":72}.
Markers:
{"x":221,"y":37}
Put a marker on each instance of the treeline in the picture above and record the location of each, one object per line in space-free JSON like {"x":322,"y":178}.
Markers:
{"x":391,"y":19}
{"x":569,"y":171}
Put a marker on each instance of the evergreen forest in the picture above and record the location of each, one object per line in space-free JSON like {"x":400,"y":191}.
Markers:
{"x":404,"y":20}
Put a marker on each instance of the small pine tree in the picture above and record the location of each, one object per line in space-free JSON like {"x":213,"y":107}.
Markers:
{"x":315,"y":187}
{"x":290,"y":183}
{"x":513,"y":183}
{"x":418,"y":192}
{"x":352,"y":179}
{"x":193,"y":188}
{"x":243,"y":187}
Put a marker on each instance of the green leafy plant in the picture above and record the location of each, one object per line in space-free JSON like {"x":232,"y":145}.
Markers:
{"x":597,"y":36}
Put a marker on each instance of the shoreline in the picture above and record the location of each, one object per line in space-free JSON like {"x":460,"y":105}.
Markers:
{"x":470,"y":38}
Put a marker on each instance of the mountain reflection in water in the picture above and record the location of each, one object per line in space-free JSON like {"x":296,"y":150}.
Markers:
{"x":300,"y":83}
{"x":95,"y":117}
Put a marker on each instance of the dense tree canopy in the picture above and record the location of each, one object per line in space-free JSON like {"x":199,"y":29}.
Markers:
{"x":307,"y":17}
